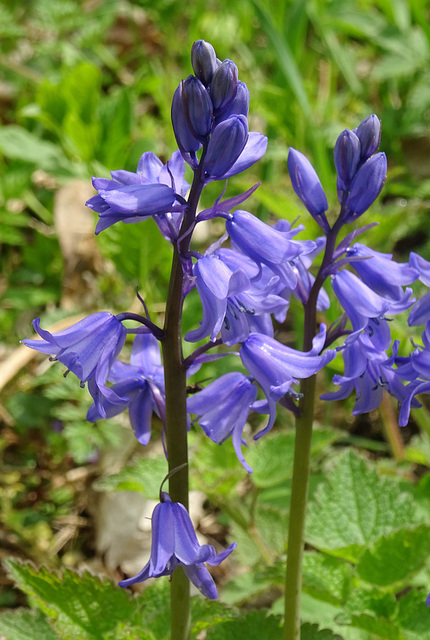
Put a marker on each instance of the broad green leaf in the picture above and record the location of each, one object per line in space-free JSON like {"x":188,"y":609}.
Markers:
{"x":414,"y":617}
{"x":145,"y":476}
{"x":208,"y":613}
{"x":326,"y":578}
{"x":79,"y":607}
{"x":23,"y":624}
{"x":272,"y":459}
{"x":395,"y":556}
{"x":370,"y":601}
{"x":354,"y":507}
{"x":376,"y":627}
{"x":312,"y":632}
{"x":253,"y":626}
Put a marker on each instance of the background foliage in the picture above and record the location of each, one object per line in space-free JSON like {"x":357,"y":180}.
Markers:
{"x":85,"y":87}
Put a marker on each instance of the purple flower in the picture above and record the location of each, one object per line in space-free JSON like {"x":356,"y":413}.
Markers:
{"x":347,"y":152}
{"x":277,"y":367}
{"x":223,"y":408}
{"x":361,"y":303}
{"x":380,"y":272}
{"x":368,"y":370}
{"x":174,"y":544}
{"x":87,"y":348}
{"x":151,"y":191}
{"x":308,"y":187}
{"x":141,"y":383}
{"x":203,"y":60}
{"x":225,"y":146}
{"x":428,"y":600}
{"x":369,"y":134}
{"x":366,"y":186}
{"x":266,"y":245}
{"x":231,"y":302}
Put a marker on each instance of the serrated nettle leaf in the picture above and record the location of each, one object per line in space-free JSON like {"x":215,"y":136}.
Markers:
{"x":208,"y":613}
{"x":371,"y":601}
{"x":414,"y":617}
{"x":313,"y":632}
{"x":395,"y":556}
{"x":23,"y":624}
{"x":376,"y":627}
{"x":254,"y":625}
{"x":354,"y":506}
{"x":79,"y":607}
{"x":326,"y":578}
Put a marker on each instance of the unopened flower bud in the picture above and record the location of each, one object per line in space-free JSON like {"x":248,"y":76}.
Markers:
{"x":307,"y":186}
{"x":225,"y":146}
{"x":187,"y":142}
{"x":197,"y":106}
{"x":346,"y":158}
{"x":203,"y":60}
{"x":223,"y":86}
{"x":367,"y":184}
{"x":369,"y":134}
{"x":239,"y":105}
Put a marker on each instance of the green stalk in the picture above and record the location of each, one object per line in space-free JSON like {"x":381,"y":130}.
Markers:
{"x":302,"y":458}
{"x":176,"y":408}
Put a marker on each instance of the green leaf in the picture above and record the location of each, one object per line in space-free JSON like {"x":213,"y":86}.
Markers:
{"x":80,"y":607}
{"x":326,"y":578}
{"x":370,"y":601}
{"x":376,"y":627}
{"x":354,"y":507}
{"x":16,"y":142}
{"x":414,"y":617}
{"x":208,"y":613}
{"x":253,"y":626}
{"x":23,"y":624}
{"x":312,"y":632}
{"x":395,"y":556}
{"x":144,"y":475}
{"x":272,"y":459}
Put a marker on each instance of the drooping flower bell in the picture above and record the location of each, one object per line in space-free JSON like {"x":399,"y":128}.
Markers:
{"x":223,"y":408}
{"x":87,"y":348}
{"x":142,"y":384}
{"x":174,"y":544}
{"x":152,"y":191}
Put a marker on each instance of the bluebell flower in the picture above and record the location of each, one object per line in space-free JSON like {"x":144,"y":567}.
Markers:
{"x":210,"y":110}
{"x":152,"y":191}
{"x":368,"y":370}
{"x":142,"y":384}
{"x":428,"y":600}
{"x":347,"y":153}
{"x":267,"y":245}
{"x":232,"y":303}
{"x":204,"y":61}
{"x":223,"y":408}
{"x":366,"y":186}
{"x":174,"y":544}
{"x":308,"y":187}
{"x":369,"y":134}
{"x":422,"y":266}
{"x":361,"y":302}
{"x":87,"y":348}
{"x":380,"y":272}
{"x":277,"y":367}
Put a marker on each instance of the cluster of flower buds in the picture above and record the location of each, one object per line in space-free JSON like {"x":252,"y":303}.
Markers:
{"x":361,"y":173}
{"x":209,"y":111}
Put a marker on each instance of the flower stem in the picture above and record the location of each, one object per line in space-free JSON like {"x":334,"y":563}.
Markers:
{"x":176,"y":408}
{"x":302,"y":458}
